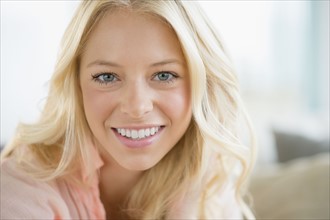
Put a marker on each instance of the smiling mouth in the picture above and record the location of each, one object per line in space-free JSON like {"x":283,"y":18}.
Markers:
{"x":138,"y":134}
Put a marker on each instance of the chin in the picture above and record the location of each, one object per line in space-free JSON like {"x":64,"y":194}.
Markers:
{"x":140,"y":166}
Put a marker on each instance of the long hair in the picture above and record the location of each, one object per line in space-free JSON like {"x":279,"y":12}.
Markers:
{"x":210,"y":152}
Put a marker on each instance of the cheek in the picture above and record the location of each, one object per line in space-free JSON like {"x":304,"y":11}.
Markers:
{"x":177,"y":105}
{"x":97,"y":105}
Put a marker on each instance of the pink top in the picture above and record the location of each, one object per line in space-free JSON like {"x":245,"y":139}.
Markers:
{"x":23,"y":197}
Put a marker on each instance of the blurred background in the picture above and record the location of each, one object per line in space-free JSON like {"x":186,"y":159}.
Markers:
{"x":281,"y":53}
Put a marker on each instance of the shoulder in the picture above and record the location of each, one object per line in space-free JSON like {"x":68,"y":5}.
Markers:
{"x":23,"y":197}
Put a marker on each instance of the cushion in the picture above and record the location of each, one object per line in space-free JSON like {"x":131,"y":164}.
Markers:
{"x":294,"y":190}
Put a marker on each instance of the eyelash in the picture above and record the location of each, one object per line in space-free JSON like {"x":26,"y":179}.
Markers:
{"x":172,"y":75}
{"x":96,"y":77}
{"x":98,"y":80}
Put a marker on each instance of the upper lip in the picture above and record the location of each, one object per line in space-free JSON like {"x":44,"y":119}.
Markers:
{"x":137,"y":127}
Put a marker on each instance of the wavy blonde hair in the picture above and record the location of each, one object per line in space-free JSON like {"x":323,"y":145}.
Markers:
{"x":210,"y":152}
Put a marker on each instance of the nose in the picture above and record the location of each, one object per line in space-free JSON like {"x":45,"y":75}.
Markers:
{"x":136,"y":100}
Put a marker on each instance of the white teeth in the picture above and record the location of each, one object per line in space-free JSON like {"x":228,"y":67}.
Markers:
{"x":134,"y":134}
{"x":128,"y":133}
{"x":152,"y":131}
{"x":147,"y":132}
{"x":137,"y":134}
{"x":141,"y":133}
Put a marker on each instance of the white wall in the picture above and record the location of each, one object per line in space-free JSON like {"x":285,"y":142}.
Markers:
{"x":30,"y":35}
{"x":281,"y":51}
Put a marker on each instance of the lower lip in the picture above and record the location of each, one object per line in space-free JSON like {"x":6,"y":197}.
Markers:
{"x":138,"y":143}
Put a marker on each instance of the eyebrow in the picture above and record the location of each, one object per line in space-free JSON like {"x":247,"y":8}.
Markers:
{"x":103,"y":63}
{"x":113,"y":64}
{"x":167,"y":61}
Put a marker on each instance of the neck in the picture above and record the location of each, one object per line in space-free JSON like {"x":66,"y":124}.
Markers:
{"x":115,"y":184}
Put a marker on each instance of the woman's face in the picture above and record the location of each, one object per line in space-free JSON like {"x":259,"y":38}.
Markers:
{"x":135,"y":87}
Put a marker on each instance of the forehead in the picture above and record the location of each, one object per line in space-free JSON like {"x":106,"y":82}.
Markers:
{"x":127,"y":34}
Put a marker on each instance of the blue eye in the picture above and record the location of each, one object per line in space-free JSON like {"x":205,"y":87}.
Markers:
{"x":105,"y":78}
{"x":164,"y":76}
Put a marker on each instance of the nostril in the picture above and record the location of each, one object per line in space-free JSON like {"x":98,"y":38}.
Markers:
{"x":136,"y":108}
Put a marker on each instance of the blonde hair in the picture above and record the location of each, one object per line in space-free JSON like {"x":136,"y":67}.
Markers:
{"x":58,"y":140}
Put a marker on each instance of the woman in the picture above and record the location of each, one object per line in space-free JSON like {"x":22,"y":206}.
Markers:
{"x":140,"y":122}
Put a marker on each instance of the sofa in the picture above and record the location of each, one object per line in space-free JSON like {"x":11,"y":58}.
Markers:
{"x":297,"y":185}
